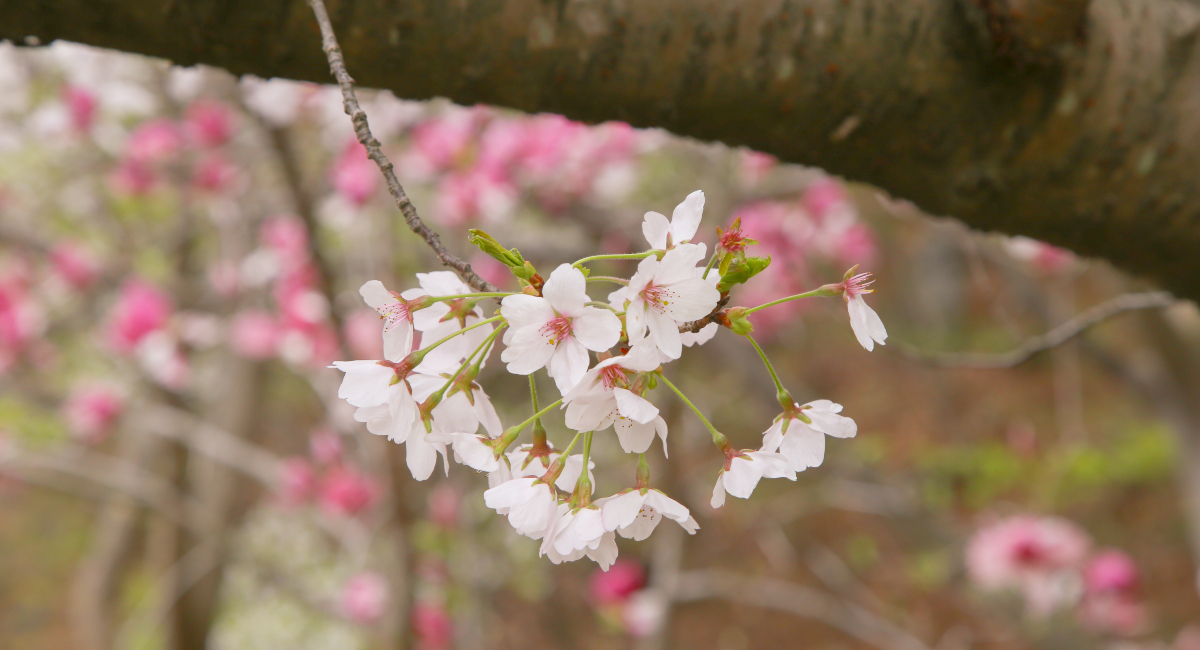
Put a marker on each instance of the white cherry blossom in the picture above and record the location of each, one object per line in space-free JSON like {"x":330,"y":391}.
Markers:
{"x":521,"y":465}
{"x":530,"y":505}
{"x":868,"y":329}
{"x":635,"y":514}
{"x":443,"y":318}
{"x":804,"y":444}
{"x":745,"y":471}
{"x":603,"y":398}
{"x":580,"y":532}
{"x":398,"y":315}
{"x":556,"y":330}
{"x":663,"y":294}
{"x":685,"y":220}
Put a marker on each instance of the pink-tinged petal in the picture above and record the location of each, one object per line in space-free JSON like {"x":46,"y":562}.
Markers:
{"x":430,"y":318}
{"x":773,"y":465}
{"x":566,"y":290}
{"x":605,"y":553}
{"x":655,"y":227}
{"x":620,"y":511}
{"x":442,"y":283}
{"x":825,"y":405}
{"x":660,"y":427}
{"x":803,"y":447}
{"x":642,"y":357}
{"x":597,"y":329}
{"x":523,"y":311}
{"x":397,"y":342}
{"x":509,"y":493}
{"x":718,"y":495}
{"x":858,"y":322}
{"x":665,"y":334}
{"x":679,"y":264}
{"x":875,"y":326}
{"x":529,"y":351}
{"x":635,"y":438}
{"x":455,"y":415}
{"x":365,"y":383}
{"x":685,"y":220}
{"x":773,"y":436}
{"x":376,"y":295}
{"x":699,"y":338}
{"x":590,"y":415}
{"x":568,"y":364}
{"x":742,"y":477}
{"x":634,"y":407}
{"x":832,"y":424}
{"x":635,"y":320}
{"x":691,"y":299}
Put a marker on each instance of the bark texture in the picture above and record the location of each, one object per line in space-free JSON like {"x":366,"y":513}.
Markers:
{"x":1072,"y":121}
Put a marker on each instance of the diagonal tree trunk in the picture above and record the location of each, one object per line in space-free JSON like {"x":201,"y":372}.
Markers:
{"x":1074,"y":121}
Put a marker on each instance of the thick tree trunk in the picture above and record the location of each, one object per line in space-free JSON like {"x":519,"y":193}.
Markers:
{"x":1072,"y":121}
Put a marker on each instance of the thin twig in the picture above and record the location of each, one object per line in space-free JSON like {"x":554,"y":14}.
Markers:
{"x":214,"y":442}
{"x":798,"y":600}
{"x":337,"y":66}
{"x":1055,"y":337}
{"x":714,"y":316}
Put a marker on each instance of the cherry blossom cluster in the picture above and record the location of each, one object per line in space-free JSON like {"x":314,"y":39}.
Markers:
{"x":425,"y":394}
{"x":1052,"y":564}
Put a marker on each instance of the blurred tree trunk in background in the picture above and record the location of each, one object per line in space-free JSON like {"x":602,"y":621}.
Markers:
{"x":1072,"y":121}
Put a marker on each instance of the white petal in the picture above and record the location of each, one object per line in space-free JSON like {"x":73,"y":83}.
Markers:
{"x":487,"y":414}
{"x":699,"y":338}
{"x":803,"y":447}
{"x":522,"y":311}
{"x":773,"y":465}
{"x":376,"y":295}
{"x":718,"y":496}
{"x":529,"y":351}
{"x":475,"y":454}
{"x":660,"y":426}
{"x":635,"y":319}
{"x":568,"y":364}
{"x":566,"y":290}
{"x":685,"y":220}
{"x":421,"y":456}
{"x":874,"y":326}
{"x":455,"y":415}
{"x":430,"y":318}
{"x":642,"y":357}
{"x":634,"y":437}
{"x":397,"y":341}
{"x":742,"y":477}
{"x":665,"y":333}
{"x":365,"y":383}
{"x":858,"y":323}
{"x":655,"y":228}
{"x":442,"y":283}
{"x":670,"y":508}
{"x":773,"y":436}
{"x":825,"y":405}
{"x":597,"y":329}
{"x":832,"y":424}
{"x":679,"y":264}
{"x":605,"y":553}
{"x":634,"y":407}
{"x":620,"y":511}
{"x":691,"y":299}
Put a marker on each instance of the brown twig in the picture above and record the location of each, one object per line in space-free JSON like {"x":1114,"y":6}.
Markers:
{"x":715,"y":316}
{"x":337,"y":66}
{"x":1055,"y":337}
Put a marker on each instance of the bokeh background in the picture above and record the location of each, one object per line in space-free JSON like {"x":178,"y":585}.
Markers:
{"x":180,"y":253}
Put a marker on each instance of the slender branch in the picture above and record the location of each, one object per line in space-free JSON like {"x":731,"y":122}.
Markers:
{"x":614,"y":256}
{"x":337,"y":67}
{"x":798,"y":600}
{"x":1055,"y":337}
{"x":713,"y":317}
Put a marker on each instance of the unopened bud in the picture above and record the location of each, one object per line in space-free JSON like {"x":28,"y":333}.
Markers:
{"x":738,"y":322}
{"x":488,"y":244}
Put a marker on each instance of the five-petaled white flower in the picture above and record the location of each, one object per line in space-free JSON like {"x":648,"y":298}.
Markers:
{"x":578,"y":532}
{"x":529,"y":504}
{"x":603,"y":397}
{"x":664,"y":293}
{"x":636,"y":513}
{"x":399,"y":311}
{"x":685,"y":220}
{"x":804,"y":444}
{"x":556,"y":330}
{"x":745,"y":470}
{"x":868,"y":329}
{"x":521,"y":464}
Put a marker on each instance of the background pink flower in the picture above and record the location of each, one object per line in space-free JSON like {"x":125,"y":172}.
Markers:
{"x":141,"y":309}
{"x":365,"y":598}
{"x":91,"y":411}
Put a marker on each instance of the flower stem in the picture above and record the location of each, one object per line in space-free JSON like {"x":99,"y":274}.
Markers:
{"x":718,"y":438}
{"x":620,"y":256}
{"x":774,"y":377}
{"x":421,"y":353}
{"x":583,"y":485}
{"x":607,"y":278}
{"x":535,"y":416}
{"x":596,"y":303}
{"x":489,"y":294}
{"x":712,"y":260}
{"x":809,"y":294}
{"x":466,"y":364}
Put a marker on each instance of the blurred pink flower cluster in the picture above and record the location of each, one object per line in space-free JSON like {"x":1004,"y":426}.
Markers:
{"x":190,"y":146}
{"x":481,"y":162}
{"x":325,"y":478}
{"x":623,"y":601}
{"x":821,"y":227}
{"x":91,"y":411}
{"x":139,"y":325}
{"x":299,"y":329}
{"x":1050,"y":562}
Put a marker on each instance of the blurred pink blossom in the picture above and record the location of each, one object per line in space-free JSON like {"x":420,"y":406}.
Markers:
{"x":346,"y":492}
{"x":432,"y":626}
{"x":365,"y":597}
{"x":644,"y":612}
{"x":74,"y":265}
{"x":287,"y":237}
{"x":325,"y":446}
{"x":753,"y":166}
{"x":443,"y":506}
{"x":1114,"y":613}
{"x":224,"y":278}
{"x":617,"y":584}
{"x":1043,"y":256}
{"x":490,"y":269}
{"x":81,"y":105}
{"x":254,"y":334}
{"x":364,"y":332}
{"x":296,"y":482}
{"x":134,"y":178}
{"x":214,"y":173}
{"x":141,"y":309}
{"x":154,"y":141}
{"x":823,"y":196}
{"x":208,"y":123}
{"x":1111,"y":570}
{"x":90,"y":412}
{"x":1040,"y":556}
{"x":354,"y":176}
{"x":440,"y":142}
{"x":476,"y":194}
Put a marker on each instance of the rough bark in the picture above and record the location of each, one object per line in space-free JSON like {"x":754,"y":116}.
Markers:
{"x":1067,"y":120}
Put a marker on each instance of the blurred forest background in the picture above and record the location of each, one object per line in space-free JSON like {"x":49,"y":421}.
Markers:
{"x":180,"y":253}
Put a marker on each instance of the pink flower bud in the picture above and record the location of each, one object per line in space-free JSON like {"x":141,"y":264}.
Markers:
{"x":141,"y":308}
{"x":254,"y":334}
{"x":74,"y":265}
{"x":365,"y":598}
{"x":1111,"y":570}
{"x":617,"y":584}
{"x":90,"y":412}
{"x":346,"y":492}
{"x":208,"y":123}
